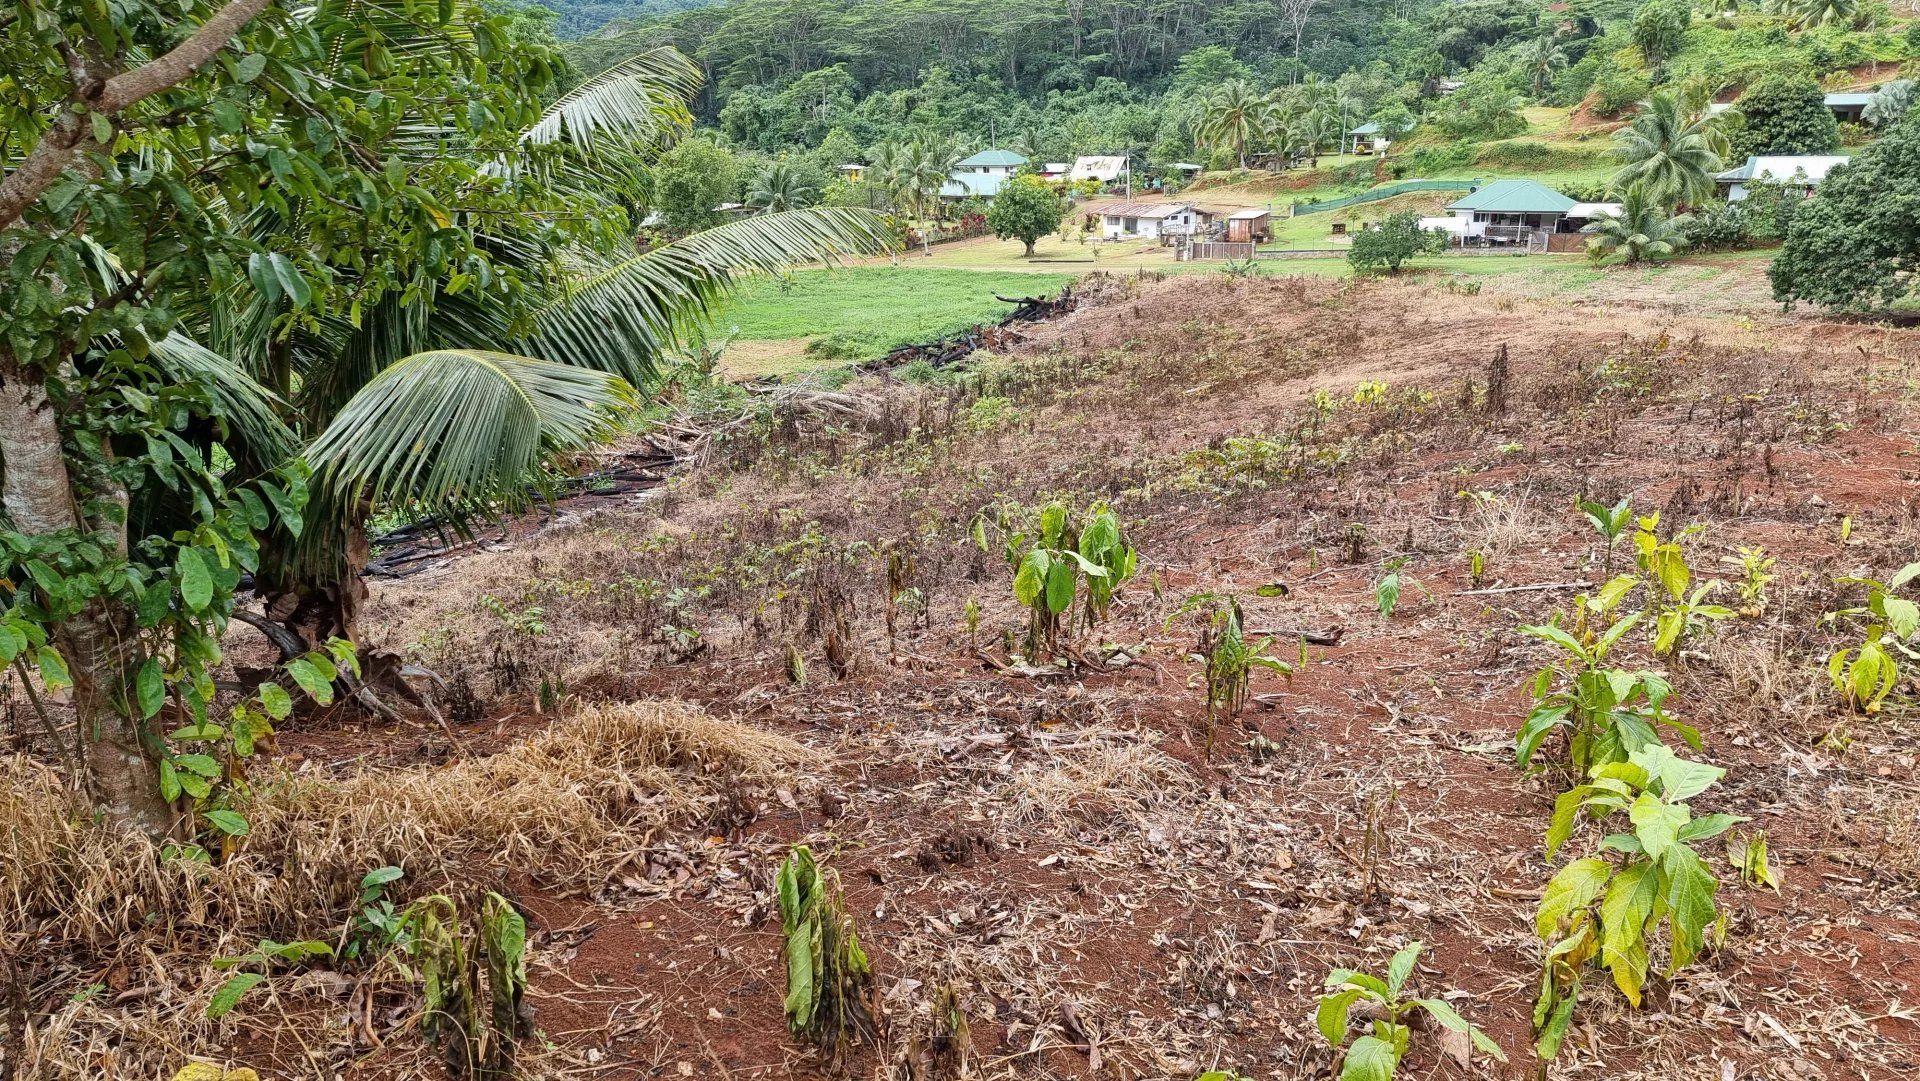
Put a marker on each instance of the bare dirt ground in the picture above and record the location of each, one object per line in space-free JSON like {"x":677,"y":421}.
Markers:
{"x":1057,"y":846}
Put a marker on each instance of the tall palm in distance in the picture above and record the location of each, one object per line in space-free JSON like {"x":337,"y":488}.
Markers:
{"x":1668,"y":153}
{"x":1233,"y":117}
{"x":780,"y":186}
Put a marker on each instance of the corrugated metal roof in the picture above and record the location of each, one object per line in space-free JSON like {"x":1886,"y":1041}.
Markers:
{"x":990,"y":159}
{"x":966,"y":185}
{"x":1142,"y":210}
{"x":1514,"y":197}
{"x":1849,"y":98}
{"x":1248,"y":214}
{"x":1365,"y":129}
{"x":1784,"y":166}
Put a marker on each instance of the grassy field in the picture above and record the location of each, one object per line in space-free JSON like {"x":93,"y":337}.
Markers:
{"x":860,"y":313}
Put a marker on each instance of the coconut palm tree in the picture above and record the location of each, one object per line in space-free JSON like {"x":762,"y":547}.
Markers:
{"x":1668,"y":153}
{"x":1233,"y":117}
{"x":445,"y":400}
{"x":1807,"y":14}
{"x":1641,"y":232}
{"x":929,"y":165}
{"x":1889,"y":103}
{"x":779,"y":187}
{"x":1541,"y":58}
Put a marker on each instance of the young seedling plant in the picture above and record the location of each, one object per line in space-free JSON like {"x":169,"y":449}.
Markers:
{"x":1607,"y":713}
{"x":1064,"y":557}
{"x":1386,"y":591}
{"x":1610,"y":523}
{"x":1607,"y":906}
{"x":1865,"y":674}
{"x":1679,"y":607}
{"x":1376,"y":1055}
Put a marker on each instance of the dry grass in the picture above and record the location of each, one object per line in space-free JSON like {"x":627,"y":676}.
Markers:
{"x":580,"y":799}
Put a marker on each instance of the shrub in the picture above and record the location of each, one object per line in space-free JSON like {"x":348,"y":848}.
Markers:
{"x":1397,"y":239}
{"x":1856,"y":243}
{"x":1618,"y":89}
{"x":1719,"y":227}
{"x":836,"y":346}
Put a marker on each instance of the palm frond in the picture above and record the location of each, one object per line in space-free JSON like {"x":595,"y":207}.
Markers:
{"x":249,"y":412}
{"x":621,"y":317}
{"x":457,"y":426}
{"x":635,"y":99}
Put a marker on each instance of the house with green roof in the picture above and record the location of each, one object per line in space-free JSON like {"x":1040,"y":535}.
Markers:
{"x":1509,"y":212}
{"x":996,"y":162}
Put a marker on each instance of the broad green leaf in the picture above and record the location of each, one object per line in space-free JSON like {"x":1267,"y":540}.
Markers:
{"x":1623,"y":917}
{"x":1060,"y":583}
{"x":231,"y":823}
{"x":1571,"y":890}
{"x":149,"y":687}
{"x":1401,"y":967}
{"x":309,"y":677}
{"x":800,"y":992}
{"x":1369,"y":1059}
{"x":275,"y":700}
{"x":1689,"y":898}
{"x":1331,"y":1017}
{"x":1031,"y":578}
{"x":169,"y":782}
{"x":231,"y":992}
{"x":1656,"y":823}
{"x":53,"y":669}
{"x":1440,"y":1010}
{"x":12,"y":643}
{"x":196,"y":585}
{"x":1712,"y":825}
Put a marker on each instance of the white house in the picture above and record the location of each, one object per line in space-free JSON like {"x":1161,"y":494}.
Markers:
{"x":1105,"y":169}
{"x":1368,"y":138}
{"x":1802,"y":171}
{"x":991,"y":163}
{"x":1151,"y":221}
{"x":1505,"y":212}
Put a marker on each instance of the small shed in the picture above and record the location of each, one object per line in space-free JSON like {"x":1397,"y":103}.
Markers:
{"x":1848,"y":106}
{"x":852,"y":172}
{"x":1249,"y":225}
{"x":1368,"y":138}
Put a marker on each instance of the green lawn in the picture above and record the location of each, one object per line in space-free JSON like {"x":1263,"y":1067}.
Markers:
{"x":860,"y":313}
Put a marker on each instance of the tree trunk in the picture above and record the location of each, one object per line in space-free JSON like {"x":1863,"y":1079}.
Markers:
{"x":37,"y":491}
{"x":317,"y":602}
{"x":1029,"y":249}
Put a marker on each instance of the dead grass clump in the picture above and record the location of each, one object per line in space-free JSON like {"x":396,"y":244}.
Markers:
{"x":78,"y":896}
{"x":1093,"y":782}
{"x":1881,"y":828}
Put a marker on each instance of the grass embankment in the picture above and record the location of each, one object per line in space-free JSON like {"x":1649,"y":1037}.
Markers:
{"x":861,"y":313}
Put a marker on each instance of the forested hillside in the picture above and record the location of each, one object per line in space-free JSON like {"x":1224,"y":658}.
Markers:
{"x":578,"y":17}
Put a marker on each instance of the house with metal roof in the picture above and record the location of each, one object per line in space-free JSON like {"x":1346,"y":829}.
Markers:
{"x":1003,"y":162}
{"x":1105,"y":168}
{"x":1508,"y":212}
{"x":1803,"y":172}
{"x":1151,"y":221}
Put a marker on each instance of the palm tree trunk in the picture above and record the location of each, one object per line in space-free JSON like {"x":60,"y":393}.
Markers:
{"x":37,"y":490}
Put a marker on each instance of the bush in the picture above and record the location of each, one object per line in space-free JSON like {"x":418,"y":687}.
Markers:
{"x":1619,"y":89}
{"x":1429,"y":160}
{"x":1517,"y":153}
{"x":1718,"y":227}
{"x":1856,"y":243}
{"x":1397,"y":239}
{"x":837,"y":346}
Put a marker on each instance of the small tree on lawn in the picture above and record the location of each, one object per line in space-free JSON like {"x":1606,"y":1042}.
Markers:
{"x":1856,"y":243}
{"x":1398,"y":239}
{"x":1027,"y":209}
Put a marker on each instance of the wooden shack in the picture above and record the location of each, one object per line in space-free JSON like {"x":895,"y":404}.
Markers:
{"x":1252,"y":225}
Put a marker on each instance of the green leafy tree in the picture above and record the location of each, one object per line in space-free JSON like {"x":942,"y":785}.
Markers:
{"x":1642,"y":232}
{"x":1484,"y":107}
{"x":1808,"y":14}
{"x":1541,"y":59}
{"x":690,"y":183}
{"x":1856,"y":243}
{"x":1233,"y":117}
{"x":1671,"y":154}
{"x":1659,"y":29}
{"x":1397,"y":239}
{"x":1026,"y":209}
{"x":1785,"y":114}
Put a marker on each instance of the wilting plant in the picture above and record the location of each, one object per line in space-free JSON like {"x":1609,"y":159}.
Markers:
{"x":1607,"y":906}
{"x":1865,"y":674}
{"x":1607,"y":713}
{"x":1230,"y":659}
{"x":829,"y":979}
{"x":1375,"y":1056}
{"x":1756,"y":571}
{"x":477,"y":1021}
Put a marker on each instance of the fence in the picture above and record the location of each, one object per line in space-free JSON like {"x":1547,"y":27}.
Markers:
{"x":1212,"y":250}
{"x":1388,"y":192}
